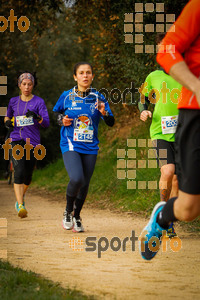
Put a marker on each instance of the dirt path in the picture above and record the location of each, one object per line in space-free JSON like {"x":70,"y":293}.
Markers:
{"x":39,"y":243}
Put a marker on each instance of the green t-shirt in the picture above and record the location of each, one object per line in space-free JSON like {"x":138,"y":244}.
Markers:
{"x":166,"y":93}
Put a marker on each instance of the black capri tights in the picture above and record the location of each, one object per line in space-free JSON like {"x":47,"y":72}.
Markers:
{"x":23,"y":168}
{"x":80,"y":168}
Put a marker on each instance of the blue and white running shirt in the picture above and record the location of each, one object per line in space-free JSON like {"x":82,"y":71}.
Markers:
{"x":82,"y":134}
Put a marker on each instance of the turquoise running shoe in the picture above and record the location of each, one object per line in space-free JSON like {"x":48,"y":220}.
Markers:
{"x":21,"y":210}
{"x":171,"y":231}
{"x":153,"y":231}
{"x":16,"y":206}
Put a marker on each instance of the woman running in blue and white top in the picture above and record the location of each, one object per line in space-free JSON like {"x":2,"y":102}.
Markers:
{"x":78,"y":111}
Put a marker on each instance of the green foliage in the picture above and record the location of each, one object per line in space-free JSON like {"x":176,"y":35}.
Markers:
{"x":102,"y":26}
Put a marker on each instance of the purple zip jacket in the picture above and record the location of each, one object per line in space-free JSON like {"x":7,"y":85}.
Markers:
{"x":27,"y":127}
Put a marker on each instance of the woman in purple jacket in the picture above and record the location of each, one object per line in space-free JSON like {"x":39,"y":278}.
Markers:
{"x":30,"y":113}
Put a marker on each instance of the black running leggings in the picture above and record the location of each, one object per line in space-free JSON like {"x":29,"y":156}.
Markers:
{"x":23,"y":168}
{"x":80,"y":168}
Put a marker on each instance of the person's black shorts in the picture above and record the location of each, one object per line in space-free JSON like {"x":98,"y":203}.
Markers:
{"x":164,"y":151}
{"x":23,"y":168}
{"x":187,"y":149}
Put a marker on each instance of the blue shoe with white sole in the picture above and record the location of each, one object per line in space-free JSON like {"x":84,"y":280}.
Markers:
{"x":150,"y":242}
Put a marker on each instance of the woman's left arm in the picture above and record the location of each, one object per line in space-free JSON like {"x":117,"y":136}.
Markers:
{"x":43,"y":113}
{"x":106,"y":112}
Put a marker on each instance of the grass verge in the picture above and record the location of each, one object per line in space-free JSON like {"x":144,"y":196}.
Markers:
{"x":16,"y":284}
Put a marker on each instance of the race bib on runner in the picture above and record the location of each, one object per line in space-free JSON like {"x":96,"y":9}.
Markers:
{"x":169,"y":124}
{"x":24,"y":121}
{"x":83,"y":135}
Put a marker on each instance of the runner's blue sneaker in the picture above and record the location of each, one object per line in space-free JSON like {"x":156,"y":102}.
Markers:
{"x":17,"y":205}
{"x":153,"y":230}
{"x":171,"y":231}
{"x":20,"y":208}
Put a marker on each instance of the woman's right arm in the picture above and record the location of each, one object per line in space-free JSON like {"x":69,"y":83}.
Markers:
{"x":58,"y":110}
{"x":7,"y":120}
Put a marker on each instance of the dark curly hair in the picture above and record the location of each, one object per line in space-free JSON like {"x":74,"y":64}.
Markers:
{"x":32,"y":73}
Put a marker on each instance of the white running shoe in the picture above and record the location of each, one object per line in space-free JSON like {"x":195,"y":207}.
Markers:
{"x":67,"y":221}
{"x":78,"y":227}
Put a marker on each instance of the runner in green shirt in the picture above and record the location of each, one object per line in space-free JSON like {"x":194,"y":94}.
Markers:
{"x":163,"y":91}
